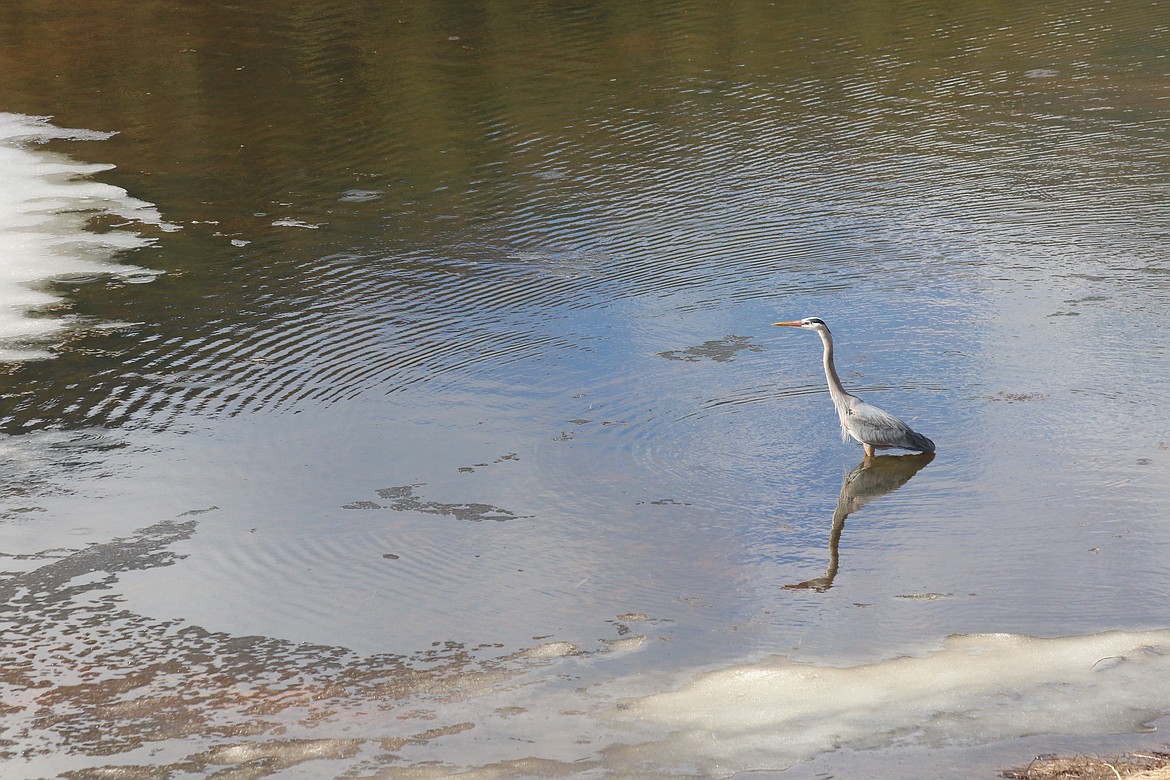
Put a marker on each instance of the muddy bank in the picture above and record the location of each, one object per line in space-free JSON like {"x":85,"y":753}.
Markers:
{"x":1152,"y":765}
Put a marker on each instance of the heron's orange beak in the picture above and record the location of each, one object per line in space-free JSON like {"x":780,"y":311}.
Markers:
{"x":793,"y":324}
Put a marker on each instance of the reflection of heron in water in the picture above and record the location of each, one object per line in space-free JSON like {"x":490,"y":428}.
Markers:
{"x":873,"y":478}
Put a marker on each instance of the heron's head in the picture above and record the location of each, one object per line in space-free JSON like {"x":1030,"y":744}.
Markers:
{"x":808,"y":323}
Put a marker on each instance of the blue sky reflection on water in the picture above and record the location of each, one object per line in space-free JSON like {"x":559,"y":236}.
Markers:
{"x":460,"y":404}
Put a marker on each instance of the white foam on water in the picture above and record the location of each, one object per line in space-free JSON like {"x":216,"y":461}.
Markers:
{"x":976,"y":689}
{"x":47,"y":205}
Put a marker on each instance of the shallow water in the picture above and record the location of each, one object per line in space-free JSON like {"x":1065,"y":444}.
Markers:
{"x":448,"y":423}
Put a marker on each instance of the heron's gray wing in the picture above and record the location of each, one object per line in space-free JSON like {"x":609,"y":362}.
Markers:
{"x":881,"y":429}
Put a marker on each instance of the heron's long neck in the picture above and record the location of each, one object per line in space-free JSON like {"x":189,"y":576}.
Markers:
{"x":836,"y":390}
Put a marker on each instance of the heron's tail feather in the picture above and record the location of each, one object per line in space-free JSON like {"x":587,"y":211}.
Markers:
{"x":919,"y":442}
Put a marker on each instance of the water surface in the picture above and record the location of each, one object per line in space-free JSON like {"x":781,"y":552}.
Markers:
{"x":449,"y":424}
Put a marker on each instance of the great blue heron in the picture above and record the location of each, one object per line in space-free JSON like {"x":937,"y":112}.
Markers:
{"x":874,"y":428}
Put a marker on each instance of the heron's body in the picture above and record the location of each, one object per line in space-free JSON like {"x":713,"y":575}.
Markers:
{"x":875,"y":428}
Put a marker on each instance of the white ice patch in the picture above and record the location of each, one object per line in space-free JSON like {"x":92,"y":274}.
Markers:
{"x":976,"y":689}
{"x":47,"y":203}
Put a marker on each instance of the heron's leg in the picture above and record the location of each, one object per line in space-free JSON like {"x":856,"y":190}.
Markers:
{"x":869,"y":451}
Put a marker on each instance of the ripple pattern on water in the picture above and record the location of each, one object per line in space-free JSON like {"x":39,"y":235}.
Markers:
{"x":419,"y":237}
{"x":702,"y":193}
